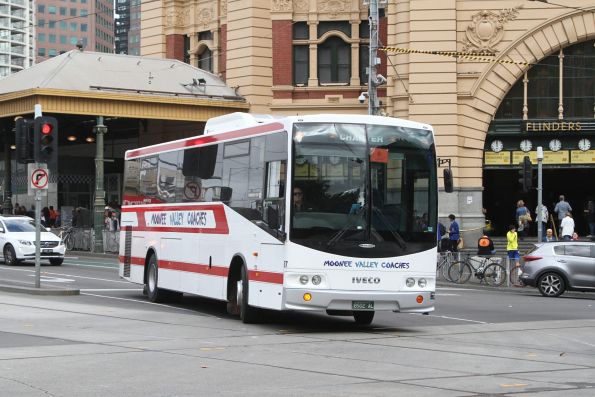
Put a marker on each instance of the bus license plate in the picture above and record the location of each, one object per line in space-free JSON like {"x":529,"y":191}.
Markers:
{"x":362,"y":305}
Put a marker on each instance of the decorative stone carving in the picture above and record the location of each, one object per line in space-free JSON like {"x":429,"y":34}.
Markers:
{"x":177,"y":18}
{"x":334,"y":7}
{"x":204,"y":17}
{"x":282,"y":5}
{"x":223,"y":9}
{"x":300,"y":5}
{"x":487,"y":30}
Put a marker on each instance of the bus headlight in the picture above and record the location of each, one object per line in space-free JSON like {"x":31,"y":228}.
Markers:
{"x":410,"y":282}
{"x":316,"y":280}
{"x":422,"y":282}
{"x":304,"y":279}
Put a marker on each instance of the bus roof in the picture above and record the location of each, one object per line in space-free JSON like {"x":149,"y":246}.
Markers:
{"x":238,"y":125}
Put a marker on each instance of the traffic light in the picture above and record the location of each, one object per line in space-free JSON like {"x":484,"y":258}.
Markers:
{"x":24,"y":141}
{"x":526,"y":174}
{"x":46,"y":140}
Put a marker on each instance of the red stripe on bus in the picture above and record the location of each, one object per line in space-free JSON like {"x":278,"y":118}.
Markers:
{"x":221,"y":226}
{"x":204,"y":139}
{"x":199,"y":268}
{"x":265,"y":277}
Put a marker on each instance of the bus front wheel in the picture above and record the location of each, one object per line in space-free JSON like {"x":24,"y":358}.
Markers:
{"x":248,"y":314}
{"x":363,"y":318}
{"x":155,"y":294}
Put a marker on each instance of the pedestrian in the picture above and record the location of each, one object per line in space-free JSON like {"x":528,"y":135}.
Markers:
{"x":567,"y":226}
{"x":562,"y":208}
{"x":485,"y":246}
{"x":523,"y":217}
{"x":52,"y":216}
{"x":512,"y":245}
{"x":453,"y":233}
{"x":575,"y":236}
{"x":115,"y":222}
{"x":17,"y":209}
{"x":549,"y":236}
{"x":542,"y":218}
{"x":590,"y":215}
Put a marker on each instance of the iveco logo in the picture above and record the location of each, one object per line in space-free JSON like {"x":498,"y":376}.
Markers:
{"x":366,"y":245}
{"x":365,"y":280}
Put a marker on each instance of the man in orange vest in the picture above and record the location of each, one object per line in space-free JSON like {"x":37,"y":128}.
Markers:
{"x":485,"y":246}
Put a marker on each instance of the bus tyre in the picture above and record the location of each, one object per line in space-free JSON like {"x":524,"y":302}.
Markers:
{"x":155,"y":294}
{"x":248,"y":314}
{"x":363,"y":318}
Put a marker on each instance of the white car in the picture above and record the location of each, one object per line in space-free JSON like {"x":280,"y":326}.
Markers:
{"x":17,"y":241}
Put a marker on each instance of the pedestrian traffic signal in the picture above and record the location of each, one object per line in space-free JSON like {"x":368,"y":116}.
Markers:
{"x":46,"y":140}
{"x":24,"y":140}
{"x":526,"y":174}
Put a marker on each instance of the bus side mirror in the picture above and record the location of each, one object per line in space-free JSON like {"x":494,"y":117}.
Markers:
{"x":448,"y":180}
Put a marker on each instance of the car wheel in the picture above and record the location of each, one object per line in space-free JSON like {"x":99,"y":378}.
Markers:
{"x":10,"y":257}
{"x":56,"y":261}
{"x":551,"y":285}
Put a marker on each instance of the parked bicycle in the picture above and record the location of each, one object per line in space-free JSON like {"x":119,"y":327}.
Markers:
{"x":487,"y":270}
{"x":67,"y":237}
{"x":445,"y":259}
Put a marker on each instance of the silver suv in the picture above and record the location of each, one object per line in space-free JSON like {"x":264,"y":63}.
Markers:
{"x":556,"y":267}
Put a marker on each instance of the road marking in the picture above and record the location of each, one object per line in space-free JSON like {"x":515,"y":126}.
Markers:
{"x":110,"y":289}
{"x":572,"y":340}
{"x":457,"y":318}
{"x":53,"y":279}
{"x":145,"y":302}
{"x":460,"y":289}
{"x":70,"y":275}
{"x":114,"y":266}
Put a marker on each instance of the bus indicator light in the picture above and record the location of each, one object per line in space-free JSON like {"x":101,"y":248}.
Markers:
{"x":420,"y":299}
{"x":307,"y":297}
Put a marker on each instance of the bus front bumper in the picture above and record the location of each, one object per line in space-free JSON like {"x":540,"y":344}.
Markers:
{"x":405,"y":302}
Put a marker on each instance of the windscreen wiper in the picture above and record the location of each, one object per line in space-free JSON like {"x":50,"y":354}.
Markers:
{"x":335,"y":239}
{"x":400,"y":242}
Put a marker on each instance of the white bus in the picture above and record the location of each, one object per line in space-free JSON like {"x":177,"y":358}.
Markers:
{"x":334,"y":213}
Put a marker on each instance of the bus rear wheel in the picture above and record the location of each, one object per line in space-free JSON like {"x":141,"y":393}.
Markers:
{"x":248,"y":314}
{"x":363,"y":318}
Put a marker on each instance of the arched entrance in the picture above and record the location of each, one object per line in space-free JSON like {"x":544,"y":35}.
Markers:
{"x":553,"y":107}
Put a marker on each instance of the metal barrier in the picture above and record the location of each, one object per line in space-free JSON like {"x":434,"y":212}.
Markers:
{"x":84,"y":237}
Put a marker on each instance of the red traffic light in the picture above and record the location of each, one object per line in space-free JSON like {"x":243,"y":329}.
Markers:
{"x":46,"y":128}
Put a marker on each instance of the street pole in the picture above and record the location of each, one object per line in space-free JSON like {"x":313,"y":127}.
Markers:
{"x":37,"y":234}
{"x":372,"y":62}
{"x":539,"y":194}
{"x":7,"y":206}
{"x":99,"y":206}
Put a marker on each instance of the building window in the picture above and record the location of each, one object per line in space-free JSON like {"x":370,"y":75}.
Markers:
{"x":73,"y":12}
{"x":52,"y":52}
{"x":301,"y":64}
{"x":41,"y":23}
{"x":41,"y":52}
{"x":205,"y":60}
{"x":52,"y":38}
{"x":73,"y":26}
{"x":186,"y":49}
{"x":62,"y":39}
{"x":52,"y":24}
{"x":334,"y":61}
{"x":62,"y":10}
{"x":74,"y":40}
{"x":63,"y":25}
{"x":41,"y":8}
{"x":52,"y":10}
{"x":205,"y":35}
{"x":41,"y":37}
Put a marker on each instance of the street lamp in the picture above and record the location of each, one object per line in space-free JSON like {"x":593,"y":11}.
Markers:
{"x":99,"y":206}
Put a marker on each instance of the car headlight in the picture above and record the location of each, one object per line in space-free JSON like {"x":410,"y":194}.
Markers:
{"x":25,"y":242}
{"x":410,"y":282}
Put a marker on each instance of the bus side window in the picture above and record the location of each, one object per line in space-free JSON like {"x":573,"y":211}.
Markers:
{"x":200,"y":162}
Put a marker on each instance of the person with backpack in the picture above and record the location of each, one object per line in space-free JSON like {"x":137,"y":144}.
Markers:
{"x":485,"y":246}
